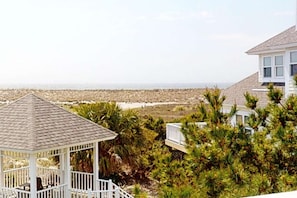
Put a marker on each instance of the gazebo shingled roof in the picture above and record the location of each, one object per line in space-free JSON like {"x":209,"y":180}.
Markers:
{"x":32,"y":124}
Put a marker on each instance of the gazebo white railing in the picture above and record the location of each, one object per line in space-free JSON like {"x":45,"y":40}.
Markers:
{"x":33,"y":130}
{"x":109,"y":190}
{"x":18,"y":176}
{"x":15,"y":182}
{"x":82,"y":186}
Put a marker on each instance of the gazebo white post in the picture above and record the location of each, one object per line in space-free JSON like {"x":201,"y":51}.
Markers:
{"x":96,"y":165}
{"x":32,"y":174}
{"x":62,"y":167}
{"x":1,"y":169}
{"x":67,"y":171}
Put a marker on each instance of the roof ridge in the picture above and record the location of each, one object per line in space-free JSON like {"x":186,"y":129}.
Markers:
{"x":273,"y":37}
{"x":74,"y":114}
{"x":32,"y":123}
{"x":31,"y":118}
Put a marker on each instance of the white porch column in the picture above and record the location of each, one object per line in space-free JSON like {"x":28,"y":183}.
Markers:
{"x":32,"y":175}
{"x":96,"y":165}
{"x":62,"y":166}
{"x":67,"y":171}
{"x":1,"y":169}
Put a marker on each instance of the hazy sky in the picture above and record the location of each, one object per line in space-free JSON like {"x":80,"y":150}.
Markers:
{"x":135,"y":41}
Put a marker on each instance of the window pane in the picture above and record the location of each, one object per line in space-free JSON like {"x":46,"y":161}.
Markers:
{"x":279,"y":71}
{"x":238,"y":119}
{"x":267,"y":72}
{"x":267,"y":61}
{"x":293,"y":69}
{"x":279,"y":60}
{"x":293,"y":57}
{"x":246,"y":118}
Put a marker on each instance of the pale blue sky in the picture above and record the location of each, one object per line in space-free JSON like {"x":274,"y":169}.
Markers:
{"x":135,"y":41}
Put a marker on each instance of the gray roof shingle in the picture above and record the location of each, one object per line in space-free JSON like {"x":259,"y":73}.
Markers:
{"x":235,"y":93}
{"x":32,"y":124}
{"x":283,"y":40}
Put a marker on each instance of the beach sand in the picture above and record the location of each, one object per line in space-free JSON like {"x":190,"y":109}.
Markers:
{"x":179,"y":96}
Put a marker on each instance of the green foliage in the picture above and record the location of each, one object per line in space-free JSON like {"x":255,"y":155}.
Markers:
{"x":228,"y":161}
{"x":156,"y":125}
{"x":138,"y":192}
{"x":124,"y":153}
{"x":275,"y":95}
{"x":221,"y":160}
{"x":251,"y":101}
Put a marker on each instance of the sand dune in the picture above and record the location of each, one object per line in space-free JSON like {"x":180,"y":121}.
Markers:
{"x":127,"y":96}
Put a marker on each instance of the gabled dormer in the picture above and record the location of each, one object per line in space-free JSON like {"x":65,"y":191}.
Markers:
{"x":278,"y":59}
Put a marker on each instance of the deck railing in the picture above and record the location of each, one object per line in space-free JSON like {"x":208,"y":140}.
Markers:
{"x":49,"y":176}
{"x":53,"y":192}
{"x":9,"y":192}
{"x":107,"y":187}
{"x":82,"y":180}
{"x":174,"y":134}
{"x":82,"y":185}
{"x":15,"y":177}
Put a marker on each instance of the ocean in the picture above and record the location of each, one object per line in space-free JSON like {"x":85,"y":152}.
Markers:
{"x":148,"y":86}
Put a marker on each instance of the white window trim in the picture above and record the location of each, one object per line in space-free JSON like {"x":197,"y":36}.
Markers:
{"x":273,"y":67}
{"x":291,"y":63}
{"x":278,"y":66}
{"x":267,"y":66}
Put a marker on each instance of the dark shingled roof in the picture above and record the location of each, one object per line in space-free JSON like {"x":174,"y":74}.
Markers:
{"x":285,"y":39}
{"x":235,"y":93}
{"x":32,"y":124}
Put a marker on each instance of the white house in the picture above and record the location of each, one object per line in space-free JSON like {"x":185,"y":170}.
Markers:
{"x":277,"y":64}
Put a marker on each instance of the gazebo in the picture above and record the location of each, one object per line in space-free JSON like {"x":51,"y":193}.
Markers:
{"x":32,"y":130}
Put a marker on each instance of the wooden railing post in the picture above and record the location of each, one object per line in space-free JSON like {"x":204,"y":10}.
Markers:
{"x":117,"y":192}
{"x":110,"y":188}
{"x":89,"y":193}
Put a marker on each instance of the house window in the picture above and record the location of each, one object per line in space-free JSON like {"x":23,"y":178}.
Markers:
{"x":246,"y":119}
{"x":238,"y":119}
{"x":293,"y":57}
{"x":279,"y":69}
{"x":267,"y":66}
{"x":293,"y":61}
{"x":293,"y":69}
